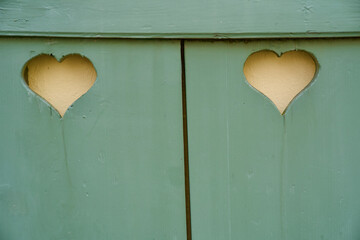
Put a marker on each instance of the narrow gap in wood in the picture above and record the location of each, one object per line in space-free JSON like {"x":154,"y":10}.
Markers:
{"x":186,"y":146}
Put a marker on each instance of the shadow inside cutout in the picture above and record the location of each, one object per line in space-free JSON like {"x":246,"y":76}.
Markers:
{"x":282,"y":78}
{"x":59,"y":83}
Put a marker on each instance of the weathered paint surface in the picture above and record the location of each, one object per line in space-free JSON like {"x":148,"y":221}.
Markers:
{"x":256,"y":174}
{"x":187,"y":18}
{"x":112,"y":168}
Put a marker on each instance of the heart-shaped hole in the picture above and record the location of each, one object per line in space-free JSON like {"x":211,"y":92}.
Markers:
{"x":282,"y":78}
{"x":60,"y":83}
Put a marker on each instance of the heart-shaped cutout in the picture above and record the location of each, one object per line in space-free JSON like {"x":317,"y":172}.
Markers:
{"x":60,"y":83}
{"x":282,"y":78}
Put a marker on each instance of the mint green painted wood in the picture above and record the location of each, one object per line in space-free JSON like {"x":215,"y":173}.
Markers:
{"x":112,"y":168}
{"x":181,"y":19}
{"x":255,"y":174}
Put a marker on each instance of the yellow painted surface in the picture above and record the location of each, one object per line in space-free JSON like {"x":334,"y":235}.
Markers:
{"x":60,"y":83}
{"x":280,"y":78}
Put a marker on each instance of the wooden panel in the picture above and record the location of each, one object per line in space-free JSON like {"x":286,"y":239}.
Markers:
{"x":256,"y":174}
{"x":181,"y":19}
{"x":112,"y":168}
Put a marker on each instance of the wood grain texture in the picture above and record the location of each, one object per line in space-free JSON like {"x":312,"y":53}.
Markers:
{"x":255,"y":174}
{"x":181,"y":19}
{"x":112,"y":168}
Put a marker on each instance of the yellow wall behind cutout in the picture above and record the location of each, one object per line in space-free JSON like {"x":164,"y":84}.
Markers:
{"x":60,"y":83}
{"x":280,"y":78}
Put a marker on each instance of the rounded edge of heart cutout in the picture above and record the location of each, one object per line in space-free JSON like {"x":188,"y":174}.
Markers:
{"x":278,"y":76}
{"x":59,"y":82}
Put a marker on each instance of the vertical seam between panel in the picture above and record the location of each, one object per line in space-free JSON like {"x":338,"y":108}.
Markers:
{"x":186,"y":146}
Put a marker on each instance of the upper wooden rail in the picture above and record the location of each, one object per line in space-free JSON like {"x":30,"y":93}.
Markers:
{"x":215,"y":19}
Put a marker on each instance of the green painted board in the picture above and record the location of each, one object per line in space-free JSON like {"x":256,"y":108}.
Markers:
{"x":181,"y":19}
{"x":255,"y":174}
{"x":112,"y":168}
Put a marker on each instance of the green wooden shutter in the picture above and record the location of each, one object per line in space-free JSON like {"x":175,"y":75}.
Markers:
{"x":257,"y":174}
{"x":112,"y":168}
